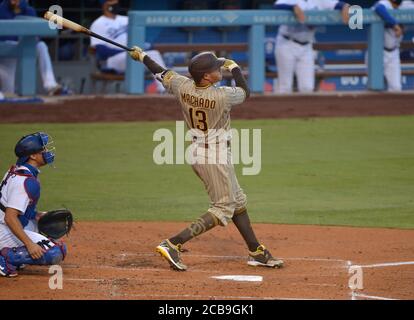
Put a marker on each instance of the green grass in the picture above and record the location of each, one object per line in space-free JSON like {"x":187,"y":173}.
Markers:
{"x":348,"y":171}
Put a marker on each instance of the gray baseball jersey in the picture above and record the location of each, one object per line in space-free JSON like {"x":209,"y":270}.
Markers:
{"x":206,"y":109}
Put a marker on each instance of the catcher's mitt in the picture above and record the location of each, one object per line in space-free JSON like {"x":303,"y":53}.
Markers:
{"x":56,"y":223}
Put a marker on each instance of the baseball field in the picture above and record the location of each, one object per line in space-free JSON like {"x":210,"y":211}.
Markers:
{"x":335,"y":191}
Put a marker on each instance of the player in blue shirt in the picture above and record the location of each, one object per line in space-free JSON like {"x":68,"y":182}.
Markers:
{"x":10,"y":9}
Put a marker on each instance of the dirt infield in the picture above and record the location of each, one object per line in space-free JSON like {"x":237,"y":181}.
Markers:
{"x":116,"y":260}
{"x":153,"y":108}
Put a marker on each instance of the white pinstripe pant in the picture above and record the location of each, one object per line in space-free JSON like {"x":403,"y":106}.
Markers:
{"x":9,"y":240}
{"x":8,"y":69}
{"x":220,"y":181}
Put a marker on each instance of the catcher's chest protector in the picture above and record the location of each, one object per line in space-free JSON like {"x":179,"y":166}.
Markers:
{"x":20,"y":189}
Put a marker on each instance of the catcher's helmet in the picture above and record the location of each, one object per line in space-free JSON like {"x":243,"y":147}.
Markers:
{"x":204,"y":62}
{"x":34,"y":143}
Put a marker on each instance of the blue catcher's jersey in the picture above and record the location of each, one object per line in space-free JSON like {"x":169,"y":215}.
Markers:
{"x":20,"y":190}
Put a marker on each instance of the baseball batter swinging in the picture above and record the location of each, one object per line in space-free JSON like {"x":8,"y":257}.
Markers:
{"x":206,"y":107}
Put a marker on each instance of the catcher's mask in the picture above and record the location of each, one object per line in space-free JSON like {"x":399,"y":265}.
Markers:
{"x":32,"y":144}
{"x":203,"y":63}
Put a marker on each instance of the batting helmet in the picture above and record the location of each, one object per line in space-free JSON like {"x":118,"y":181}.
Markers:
{"x":203,"y":63}
{"x":34,"y":143}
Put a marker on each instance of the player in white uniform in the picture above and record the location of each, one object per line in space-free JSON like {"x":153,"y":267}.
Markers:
{"x":20,"y":242}
{"x":392,"y":39}
{"x":115,"y":27}
{"x":9,"y":9}
{"x":294,"y":44}
{"x":206,"y":109}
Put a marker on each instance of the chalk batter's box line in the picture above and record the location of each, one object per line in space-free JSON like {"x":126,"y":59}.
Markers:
{"x":360,"y":295}
{"x":384,"y":265}
{"x":354,"y":295}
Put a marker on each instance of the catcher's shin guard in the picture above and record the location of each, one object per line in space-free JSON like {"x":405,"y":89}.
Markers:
{"x":6,"y":269}
{"x":19,"y":256}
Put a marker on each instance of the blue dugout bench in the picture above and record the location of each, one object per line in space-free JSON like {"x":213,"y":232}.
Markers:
{"x":256,"y":20}
{"x":28,"y":29}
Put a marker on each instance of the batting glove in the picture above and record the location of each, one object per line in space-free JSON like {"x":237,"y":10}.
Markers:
{"x":230,"y":65}
{"x":137,"y":54}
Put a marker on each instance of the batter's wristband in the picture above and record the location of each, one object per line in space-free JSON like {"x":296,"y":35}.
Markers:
{"x":232,"y":66}
{"x":142,"y":56}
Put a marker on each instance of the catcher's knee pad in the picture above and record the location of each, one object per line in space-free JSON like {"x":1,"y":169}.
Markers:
{"x":55,"y":255}
{"x":20,"y":255}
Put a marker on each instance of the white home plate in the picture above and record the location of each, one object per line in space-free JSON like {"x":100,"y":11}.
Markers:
{"x":240,"y":278}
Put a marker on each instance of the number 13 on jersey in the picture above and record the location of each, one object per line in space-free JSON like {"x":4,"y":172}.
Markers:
{"x":198,"y":119}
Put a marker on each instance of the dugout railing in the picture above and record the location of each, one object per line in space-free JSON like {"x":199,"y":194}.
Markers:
{"x":256,"y":20}
{"x":320,"y":75}
{"x":226,"y":49}
{"x":28,"y":29}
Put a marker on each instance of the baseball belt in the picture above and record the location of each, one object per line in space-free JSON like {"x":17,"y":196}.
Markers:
{"x":205,"y":145}
{"x":296,"y":41}
{"x":228,"y":144}
{"x":390,"y":49}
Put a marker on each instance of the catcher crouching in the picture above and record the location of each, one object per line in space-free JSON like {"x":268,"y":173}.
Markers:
{"x":29,"y":237}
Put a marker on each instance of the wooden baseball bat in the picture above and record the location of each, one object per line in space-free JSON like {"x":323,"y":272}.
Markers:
{"x":58,"y":20}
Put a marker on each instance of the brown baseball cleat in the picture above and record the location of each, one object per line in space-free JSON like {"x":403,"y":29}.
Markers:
{"x":262,"y":258}
{"x":171,"y":253}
